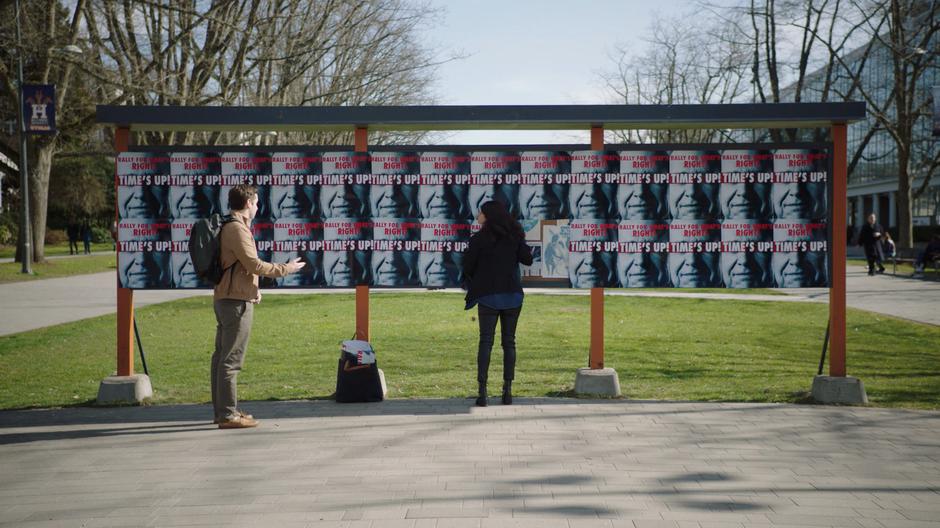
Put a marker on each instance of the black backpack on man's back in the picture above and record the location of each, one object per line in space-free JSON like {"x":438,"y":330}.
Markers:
{"x":205,"y":247}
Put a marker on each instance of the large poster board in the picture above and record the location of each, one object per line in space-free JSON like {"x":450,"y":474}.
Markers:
{"x":734,"y":216}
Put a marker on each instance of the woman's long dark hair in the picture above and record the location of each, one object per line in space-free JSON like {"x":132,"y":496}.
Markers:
{"x":499,"y":222}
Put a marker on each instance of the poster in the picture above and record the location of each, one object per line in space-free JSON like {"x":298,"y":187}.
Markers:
{"x":712,"y":216}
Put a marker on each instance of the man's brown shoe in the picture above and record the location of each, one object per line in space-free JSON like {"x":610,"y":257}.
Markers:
{"x":217,"y":421}
{"x":239,"y":422}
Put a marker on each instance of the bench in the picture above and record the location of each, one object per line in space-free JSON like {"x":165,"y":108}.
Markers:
{"x":902,"y":256}
{"x":909,"y":256}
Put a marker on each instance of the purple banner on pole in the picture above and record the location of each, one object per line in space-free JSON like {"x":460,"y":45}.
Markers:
{"x":39,"y":108}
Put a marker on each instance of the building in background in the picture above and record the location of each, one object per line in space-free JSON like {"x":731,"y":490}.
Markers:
{"x":873,"y":183}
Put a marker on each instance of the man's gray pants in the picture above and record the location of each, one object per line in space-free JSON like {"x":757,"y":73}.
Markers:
{"x":231,"y":341}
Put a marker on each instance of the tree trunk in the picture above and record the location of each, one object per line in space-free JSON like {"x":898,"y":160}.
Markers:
{"x":39,"y":196}
{"x":905,"y":225}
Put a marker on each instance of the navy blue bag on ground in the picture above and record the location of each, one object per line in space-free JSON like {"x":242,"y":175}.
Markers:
{"x":358,"y":378}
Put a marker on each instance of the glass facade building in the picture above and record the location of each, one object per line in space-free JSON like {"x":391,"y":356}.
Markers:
{"x":873,"y":183}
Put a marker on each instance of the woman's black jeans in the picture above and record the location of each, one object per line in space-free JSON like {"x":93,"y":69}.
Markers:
{"x":508,"y":319}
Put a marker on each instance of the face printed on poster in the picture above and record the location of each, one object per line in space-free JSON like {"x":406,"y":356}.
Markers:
{"x":641,"y":254}
{"x":634,"y":217}
{"x":694,"y":248}
{"x":746,"y":249}
{"x":540,"y":196}
{"x":642,"y":186}
{"x":694,"y":177}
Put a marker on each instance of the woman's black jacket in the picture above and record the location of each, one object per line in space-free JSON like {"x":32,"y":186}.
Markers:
{"x":491,"y":264}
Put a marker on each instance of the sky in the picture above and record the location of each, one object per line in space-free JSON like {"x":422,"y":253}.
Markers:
{"x":521,"y":52}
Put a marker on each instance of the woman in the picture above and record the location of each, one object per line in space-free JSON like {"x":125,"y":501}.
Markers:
{"x":494,"y":285}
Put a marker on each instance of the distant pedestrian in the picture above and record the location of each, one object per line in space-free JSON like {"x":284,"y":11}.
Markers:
{"x":888,"y":248}
{"x":86,"y":237}
{"x":931,"y":253}
{"x":870,"y":239}
{"x":72,"y":230}
{"x":114,"y":235}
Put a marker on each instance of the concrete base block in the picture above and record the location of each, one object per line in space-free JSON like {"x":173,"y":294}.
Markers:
{"x":123,"y":390}
{"x":597,"y":382}
{"x":384,"y":386}
{"x":847,"y":389}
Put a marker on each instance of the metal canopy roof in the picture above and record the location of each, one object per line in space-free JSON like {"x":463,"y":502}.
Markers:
{"x":525,"y":117}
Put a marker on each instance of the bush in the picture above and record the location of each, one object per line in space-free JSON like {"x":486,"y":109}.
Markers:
{"x":8,"y":228}
{"x":100,"y":235}
{"x":56,"y":236}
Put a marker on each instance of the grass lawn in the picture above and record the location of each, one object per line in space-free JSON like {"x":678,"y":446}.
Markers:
{"x":723,"y":291}
{"x":676,"y":349}
{"x":57,"y":249}
{"x":63,"y":267}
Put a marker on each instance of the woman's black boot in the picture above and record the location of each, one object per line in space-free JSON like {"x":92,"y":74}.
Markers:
{"x":507,"y":392}
{"x":481,"y":399}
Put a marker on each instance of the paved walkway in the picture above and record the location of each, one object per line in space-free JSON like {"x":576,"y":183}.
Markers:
{"x":541,"y":463}
{"x":56,"y":257}
{"x":36,"y":304}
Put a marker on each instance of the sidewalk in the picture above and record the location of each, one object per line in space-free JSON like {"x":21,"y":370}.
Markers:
{"x":36,"y":304}
{"x":542,"y":463}
{"x":7,"y":260}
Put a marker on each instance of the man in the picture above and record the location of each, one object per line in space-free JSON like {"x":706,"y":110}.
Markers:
{"x":394,"y":268}
{"x":592,"y":201}
{"x":393,"y":201}
{"x":694,"y":270}
{"x":184,"y":275}
{"x":443,"y":201}
{"x":344,"y":201}
{"x":931,"y":252}
{"x":693,"y":257}
{"x":542,"y":201}
{"x":438,"y":269}
{"x":142,"y":202}
{"x":234,"y":300}
{"x":745,"y":254}
{"x":345,"y":269}
{"x":799,"y":269}
{"x":592,"y":269}
{"x":294,"y":201}
{"x":642,"y":270}
{"x":639,"y":265}
{"x":693,"y":201}
{"x":141,"y":270}
{"x":193,"y":201}
{"x":690,"y":194}
{"x":642,"y":201}
{"x":870,"y":239}
{"x":803,"y":200}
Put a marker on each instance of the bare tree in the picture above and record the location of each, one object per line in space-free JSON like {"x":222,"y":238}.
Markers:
{"x":219,"y":52}
{"x":261,"y":53}
{"x":904,"y":35}
{"x":47,"y":28}
{"x":819,"y":51}
{"x":362,"y":53}
{"x":682,"y":65}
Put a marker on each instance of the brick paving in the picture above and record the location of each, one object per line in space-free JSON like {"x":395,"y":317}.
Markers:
{"x":541,"y":463}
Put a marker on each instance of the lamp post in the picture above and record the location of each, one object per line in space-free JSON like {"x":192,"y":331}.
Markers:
{"x":25,"y":246}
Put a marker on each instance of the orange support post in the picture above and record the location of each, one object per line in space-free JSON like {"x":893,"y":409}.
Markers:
{"x":125,"y":296}
{"x":362,"y":291}
{"x":596,"y":359}
{"x":362,"y":312}
{"x":837,"y":290}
